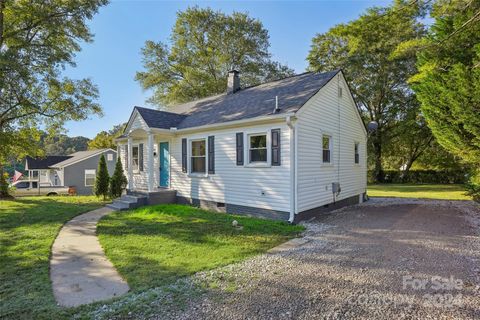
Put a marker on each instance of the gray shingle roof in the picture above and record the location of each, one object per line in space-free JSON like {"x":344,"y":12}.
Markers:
{"x":293,"y":92}
{"x":160,"y":119}
{"x":77,"y":156}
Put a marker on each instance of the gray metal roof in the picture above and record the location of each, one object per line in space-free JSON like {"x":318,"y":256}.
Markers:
{"x":293,"y":92}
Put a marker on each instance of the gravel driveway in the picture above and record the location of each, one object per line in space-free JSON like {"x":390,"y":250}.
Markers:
{"x":385,"y":259}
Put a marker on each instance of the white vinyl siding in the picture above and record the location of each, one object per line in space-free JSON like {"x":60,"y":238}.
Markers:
{"x":241,"y":185}
{"x":329,"y":114}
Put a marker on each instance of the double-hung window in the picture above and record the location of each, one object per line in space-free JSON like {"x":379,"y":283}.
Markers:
{"x":135,"y":158}
{"x":357,"y":154}
{"x":198,"y":156}
{"x":327,"y":148}
{"x":89,"y":178}
{"x":257,"y":148}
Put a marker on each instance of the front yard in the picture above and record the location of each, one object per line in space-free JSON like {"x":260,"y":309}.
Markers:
{"x":156,"y":245}
{"x":151,"y":246}
{"x":422,"y":191}
{"x":28,"y":227}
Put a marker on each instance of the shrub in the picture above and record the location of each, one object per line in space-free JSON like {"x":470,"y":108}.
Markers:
{"x":102,"y":179}
{"x":423,"y":176}
{"x":473,"y":186}
{"x":3,"y":184}
{"x":118,"y":182}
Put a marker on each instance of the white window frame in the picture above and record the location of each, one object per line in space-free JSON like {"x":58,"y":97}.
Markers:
{"x":190,"y":156}
{"x":246,"y":148}
{"x":90,"y":171}
{"x":136,"y":168}
{"x":109,"y":156}
{"x":254,"y":163}
{"x":356,"y":147}
{"x":330,"y":147}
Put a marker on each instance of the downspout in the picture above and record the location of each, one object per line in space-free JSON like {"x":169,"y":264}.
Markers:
{"x":293,"y":193}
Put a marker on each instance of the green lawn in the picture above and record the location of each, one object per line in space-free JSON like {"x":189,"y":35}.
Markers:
{"x":154,"y":246}
{"x":28,"y":227}
{"x":425,"y":191}
{"x":150,"y":247}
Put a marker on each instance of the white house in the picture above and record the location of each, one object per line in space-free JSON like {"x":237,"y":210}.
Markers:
{"x":286,"y":149}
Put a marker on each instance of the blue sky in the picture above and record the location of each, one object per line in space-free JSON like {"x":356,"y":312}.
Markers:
{"x":122,"y":27}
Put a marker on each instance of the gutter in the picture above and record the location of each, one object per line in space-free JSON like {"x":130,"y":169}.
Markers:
{"x":293,"y":166}
{"x":227,"y":124}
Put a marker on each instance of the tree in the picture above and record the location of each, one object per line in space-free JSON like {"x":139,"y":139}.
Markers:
{"x":205,"y":45}
{"x":411,"y":138}
{"x":102,"y":179}
{"x":118,"y":182}
{"x":38,"y":39}
{"x":364,"y":49}
{"x":61,"y":144}
{"x":448,"y":81}
{"x":106,"y":139}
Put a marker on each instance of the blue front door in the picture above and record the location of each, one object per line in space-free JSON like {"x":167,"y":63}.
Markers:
{"x":164,"y":164}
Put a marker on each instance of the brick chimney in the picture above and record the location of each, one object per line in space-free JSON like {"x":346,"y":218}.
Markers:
{"x":233,"y":83}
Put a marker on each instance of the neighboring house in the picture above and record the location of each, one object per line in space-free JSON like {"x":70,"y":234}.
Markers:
{"x":76,"y":170}
{"x":286,"y":149}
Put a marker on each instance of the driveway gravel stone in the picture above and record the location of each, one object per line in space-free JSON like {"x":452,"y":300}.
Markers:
{"x":384,"y":259}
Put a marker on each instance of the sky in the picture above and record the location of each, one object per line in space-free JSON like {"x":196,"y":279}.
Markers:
{"x":121,"y":28}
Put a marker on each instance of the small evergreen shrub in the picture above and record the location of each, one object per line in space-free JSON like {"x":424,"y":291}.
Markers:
{"x":118,"y":182}
{"x":473,"y":186}
{"x":102,"y":179}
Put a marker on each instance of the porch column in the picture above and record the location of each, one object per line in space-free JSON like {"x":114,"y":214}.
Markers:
{"x":130,"y":163}
{"x":150,"y":169}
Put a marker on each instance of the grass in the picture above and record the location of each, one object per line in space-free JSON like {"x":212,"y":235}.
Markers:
{"x":150,"y":247}
{"x":28,"y":227}
{"x":154,"y":246}
{"x":422,"y":191}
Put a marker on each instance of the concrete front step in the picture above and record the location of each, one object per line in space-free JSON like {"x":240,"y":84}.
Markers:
{"x":117,"y":206}
{"x":127,"y":202}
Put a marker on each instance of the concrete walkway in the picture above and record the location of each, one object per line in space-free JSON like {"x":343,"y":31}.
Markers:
{"x":79,"y":270}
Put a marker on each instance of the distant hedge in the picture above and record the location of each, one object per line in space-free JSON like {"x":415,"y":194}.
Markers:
{"x":423,"y":176}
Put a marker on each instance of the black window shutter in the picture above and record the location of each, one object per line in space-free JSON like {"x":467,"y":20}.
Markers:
{"x":140,"y":156}
{"x":276,"y":147}
{"x":211,"y":154}
{"x":184,"y":155}
{"x":240,"y":149}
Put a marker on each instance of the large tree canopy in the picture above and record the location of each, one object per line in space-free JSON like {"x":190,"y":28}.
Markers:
{"x":38,"y":39}
{"x":448,"y":82}
{"x":106,"y":139}
{"x":204,"y":46}
{"x":365,"y":48}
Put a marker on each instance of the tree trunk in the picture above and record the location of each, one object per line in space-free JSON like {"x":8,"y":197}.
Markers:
{"x":378,"y":171}
{"x":408,"y":165}
{"x":3,"y":183}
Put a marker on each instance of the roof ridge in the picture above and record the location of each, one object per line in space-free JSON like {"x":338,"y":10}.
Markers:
{"x":156,"y":110}
{"x":279,"y":79}
{"x":256,"y":85}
